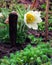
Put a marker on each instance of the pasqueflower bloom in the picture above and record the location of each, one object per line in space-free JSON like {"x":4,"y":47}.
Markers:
{"x":32,"y":18}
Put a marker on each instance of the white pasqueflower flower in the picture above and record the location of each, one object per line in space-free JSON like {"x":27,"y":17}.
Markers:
{"x":32,"y":18}
{"x":1,"y":15}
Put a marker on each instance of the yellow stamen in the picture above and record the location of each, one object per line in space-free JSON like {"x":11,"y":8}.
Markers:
{"x":30,"y":18}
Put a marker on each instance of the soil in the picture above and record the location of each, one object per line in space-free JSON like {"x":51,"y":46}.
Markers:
{"x":7,"y":48}
{"x":41,"y":34}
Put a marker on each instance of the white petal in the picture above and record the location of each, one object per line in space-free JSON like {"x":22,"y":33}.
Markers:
{"x":35,"y":26}
{"x":38,"y":20}
{"x":29,"y":25}
{"x":37,"y":13}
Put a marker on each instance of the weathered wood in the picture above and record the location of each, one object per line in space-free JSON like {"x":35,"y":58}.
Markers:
{"x":13,"y":27}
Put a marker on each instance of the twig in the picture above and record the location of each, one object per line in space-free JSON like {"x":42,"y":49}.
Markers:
{"x":33,"y":4}
{"x":46,"y":20}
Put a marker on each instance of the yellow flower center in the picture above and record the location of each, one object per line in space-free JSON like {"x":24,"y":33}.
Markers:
{"x":30,"y":18}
